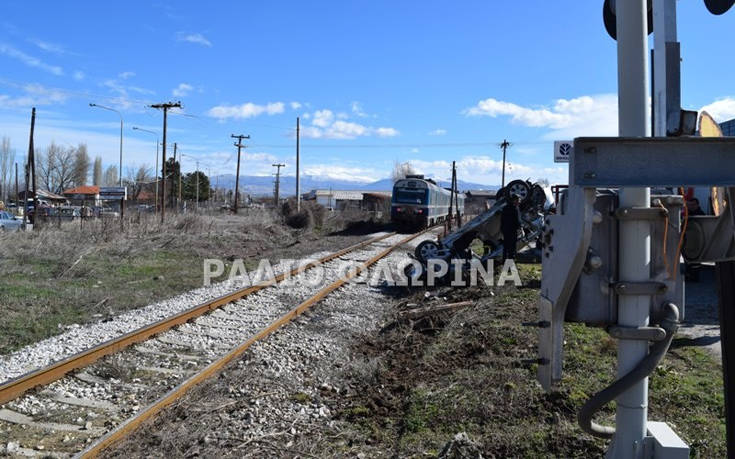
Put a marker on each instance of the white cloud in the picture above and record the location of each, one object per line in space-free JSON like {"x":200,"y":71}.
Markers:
{"x":721,"y":109}
{"x":295,"y":105}
{"x":50,"y":47}
{"x":30,"y":60}
{"x":323,"y":118}
{"x":594,"y":115}
{"x":35,"y":95}
{"x":194,"y":38}
{"x":357,"y":109}
{"x":334,"y":172}
{"x":485,"y":170}
{"x":326,"y":125}
{"x":182,"y":90}
{"x":438,"y":132}
{"x":79,"y":75}
{"x":126,"y":75}
{"x":246,"y":110}
{"x":386,"y":132}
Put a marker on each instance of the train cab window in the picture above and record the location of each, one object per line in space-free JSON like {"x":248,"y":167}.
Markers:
{"x":409,"y":196}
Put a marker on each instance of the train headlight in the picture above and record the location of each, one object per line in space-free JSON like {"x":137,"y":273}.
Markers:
{"x":399,"y":209}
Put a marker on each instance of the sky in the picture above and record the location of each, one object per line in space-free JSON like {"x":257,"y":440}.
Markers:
{"x":373,"y":82}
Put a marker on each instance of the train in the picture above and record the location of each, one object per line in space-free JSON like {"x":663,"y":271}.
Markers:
{"x":418,"y":202}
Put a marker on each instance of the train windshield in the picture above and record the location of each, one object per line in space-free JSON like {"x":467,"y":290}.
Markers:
{"x":409,"y":196}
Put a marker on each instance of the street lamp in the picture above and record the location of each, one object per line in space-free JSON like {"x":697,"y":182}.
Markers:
{"x":197,"y":174}
{"x":136,"y":128}
{"x":121,"y":133}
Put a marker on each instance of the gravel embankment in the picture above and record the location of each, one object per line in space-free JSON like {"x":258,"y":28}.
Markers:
{"x":78,"y":338}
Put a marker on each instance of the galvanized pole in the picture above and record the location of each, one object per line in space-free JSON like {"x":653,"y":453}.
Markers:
{"x":666,"y":74}
{"x":635,"y":235}
{"x":298,"y":177}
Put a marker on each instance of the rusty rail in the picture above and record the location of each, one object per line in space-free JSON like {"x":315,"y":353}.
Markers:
{"x":151,"y":410}
{"x":16,"y":387}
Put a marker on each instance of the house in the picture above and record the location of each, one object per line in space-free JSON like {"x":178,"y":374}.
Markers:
{"x":476,"y":201}
{"x":44,"y":196}
{"x":88,"y":195}
{"x":339,"y":199}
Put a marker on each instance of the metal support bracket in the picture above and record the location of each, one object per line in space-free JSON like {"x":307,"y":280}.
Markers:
{"x":641,"y":213}
{"x":639,"y":288}
{"x":605,"y":162}
{"x":559,"y":275}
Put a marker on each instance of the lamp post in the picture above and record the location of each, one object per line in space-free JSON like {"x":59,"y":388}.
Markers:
{"x":121,"y":132}
{"x":136,"y":128}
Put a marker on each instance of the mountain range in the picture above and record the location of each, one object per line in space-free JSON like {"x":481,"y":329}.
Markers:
{"x":263,"y":185}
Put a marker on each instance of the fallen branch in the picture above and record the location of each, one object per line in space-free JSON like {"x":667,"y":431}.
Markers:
{"x":75,"y":263}
{"x":422,"y":312}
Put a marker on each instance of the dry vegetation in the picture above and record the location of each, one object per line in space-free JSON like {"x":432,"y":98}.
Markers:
{"x":72,"y":273}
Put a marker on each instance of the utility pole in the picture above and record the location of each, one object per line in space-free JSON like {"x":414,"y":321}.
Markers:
{"x":451,"y":201}
{"x":165,"y":107}
{"x":178,"y":199}
{"x":17,"y":204}
{"x":504,"y":146}
{"x":298,"y":178}
{"x":278,"y":182}
{"x":239,"y":146}
{"x":197,"y":207}
{"x":32,"y":168}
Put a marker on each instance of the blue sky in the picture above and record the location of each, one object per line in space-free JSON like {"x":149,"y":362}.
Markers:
{"x":374,"y":82}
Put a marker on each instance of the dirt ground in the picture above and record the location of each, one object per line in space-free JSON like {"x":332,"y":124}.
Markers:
{"x":455,"y":384}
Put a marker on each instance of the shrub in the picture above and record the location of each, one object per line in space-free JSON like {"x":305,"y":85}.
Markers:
{"x":300,"y":220}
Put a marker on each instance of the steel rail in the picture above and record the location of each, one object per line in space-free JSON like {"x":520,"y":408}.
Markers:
{"x":128,"y":427}
{"x":17,"y":386}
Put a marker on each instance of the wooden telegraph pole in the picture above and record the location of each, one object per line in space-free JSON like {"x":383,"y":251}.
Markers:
{"x":278,"y":183}
{"x":504,"y":146}
{"x":298,"y":178}
{"x":165,"y":107}
{"x":239,"y":146}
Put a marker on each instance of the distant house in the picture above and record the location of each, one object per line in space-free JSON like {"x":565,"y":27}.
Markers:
{"x":376,"y":201}
{"x":44,"y":196}
{"x":88,"y":195}
{"x":341,"y":199}
{"x":476,"y":201}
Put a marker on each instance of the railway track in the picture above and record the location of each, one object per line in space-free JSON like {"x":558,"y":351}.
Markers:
{"x":87,"y":402}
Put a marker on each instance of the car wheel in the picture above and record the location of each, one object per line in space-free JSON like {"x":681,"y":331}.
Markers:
{"x":519,"y":188}
{"x":426,"y":251}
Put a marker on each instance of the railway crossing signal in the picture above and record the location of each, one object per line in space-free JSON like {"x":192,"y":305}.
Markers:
{"x":611,"y":253}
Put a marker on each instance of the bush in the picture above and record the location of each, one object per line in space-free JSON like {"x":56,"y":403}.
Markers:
{"x":288,"y":207}
{"x":300,"y":220}
{"x":318,"y":212}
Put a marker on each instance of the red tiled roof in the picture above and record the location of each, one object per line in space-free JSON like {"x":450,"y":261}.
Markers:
{"x":83,"y":190}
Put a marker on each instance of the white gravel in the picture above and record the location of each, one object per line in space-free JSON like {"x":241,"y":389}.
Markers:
{"x":78,"y":338}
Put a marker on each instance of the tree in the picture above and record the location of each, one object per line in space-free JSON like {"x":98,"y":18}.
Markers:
{"x":7,"y":158}
{"x":401,"y":170}
{"x":97,"y":173}
{"x":55,"y":168}
{"x":173,"y":169}
{"x":81,"y":165}
{"x":137,"y":180}
{"x":111,"y":176}
{"x":189,"y":191}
